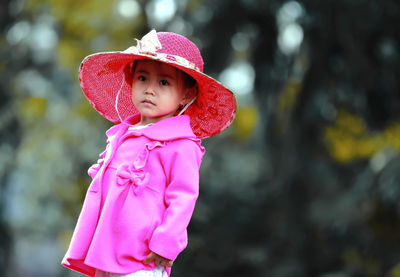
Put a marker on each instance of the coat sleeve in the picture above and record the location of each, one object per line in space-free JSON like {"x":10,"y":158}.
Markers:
{"x":181,"y":165}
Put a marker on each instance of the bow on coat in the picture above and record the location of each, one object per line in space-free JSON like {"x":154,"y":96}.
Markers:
{"x":127,"y":174}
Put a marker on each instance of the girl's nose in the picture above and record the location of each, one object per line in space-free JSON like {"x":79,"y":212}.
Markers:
{"x":150,"y":89}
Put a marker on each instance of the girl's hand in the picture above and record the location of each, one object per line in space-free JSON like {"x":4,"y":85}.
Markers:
{"x":158,"y":260}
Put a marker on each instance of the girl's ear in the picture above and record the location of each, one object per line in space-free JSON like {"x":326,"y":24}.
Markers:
{"x":190,"y":93}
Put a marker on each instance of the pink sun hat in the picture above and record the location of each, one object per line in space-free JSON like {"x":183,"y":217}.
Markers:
{"x":103,"y":80}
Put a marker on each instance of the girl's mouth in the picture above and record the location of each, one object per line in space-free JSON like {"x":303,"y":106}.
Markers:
{"x":149,"y":102}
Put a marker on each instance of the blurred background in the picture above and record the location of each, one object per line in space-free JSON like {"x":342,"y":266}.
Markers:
{"x":305,"y":182}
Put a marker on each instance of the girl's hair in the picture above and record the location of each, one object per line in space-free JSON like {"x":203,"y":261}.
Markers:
{"x":188,"y":81}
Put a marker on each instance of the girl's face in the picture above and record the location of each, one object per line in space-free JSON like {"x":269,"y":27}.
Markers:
{"x":157,"y":90}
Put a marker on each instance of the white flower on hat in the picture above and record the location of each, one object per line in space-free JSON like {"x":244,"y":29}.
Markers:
{"x":149,"y":43}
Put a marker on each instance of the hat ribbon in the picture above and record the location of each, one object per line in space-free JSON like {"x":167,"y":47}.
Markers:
{"x":187,"y":105}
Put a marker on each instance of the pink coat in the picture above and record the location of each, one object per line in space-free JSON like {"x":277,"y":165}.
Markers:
{"x":141,"y":198}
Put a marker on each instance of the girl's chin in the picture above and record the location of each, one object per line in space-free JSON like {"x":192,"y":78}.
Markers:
{"x":152,"y":118}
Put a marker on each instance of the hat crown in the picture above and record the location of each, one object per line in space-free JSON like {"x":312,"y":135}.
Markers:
{"x":177,"y":45}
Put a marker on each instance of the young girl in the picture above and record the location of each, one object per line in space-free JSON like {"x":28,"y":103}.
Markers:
{"x":145,"y":184}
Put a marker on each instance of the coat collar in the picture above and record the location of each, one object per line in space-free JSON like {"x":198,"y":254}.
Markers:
{"x":171,"y":128}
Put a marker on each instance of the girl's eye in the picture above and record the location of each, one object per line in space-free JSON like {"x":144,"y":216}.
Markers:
{"x":141,"y":78}
{"x":164,"y":82}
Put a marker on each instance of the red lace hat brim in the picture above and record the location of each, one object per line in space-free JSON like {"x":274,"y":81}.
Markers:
{"x":103,"y":75}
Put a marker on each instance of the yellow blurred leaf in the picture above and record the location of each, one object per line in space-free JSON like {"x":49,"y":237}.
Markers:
{"x":395,"y":271}
{"x":289,"y":95}
{"x":349,"y":139}
{"x":70,"y":53}
{"x":65,"y":238}
{"x":245,"y":122}
{"x":350,"y":122}
{"x":32,"y":108}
